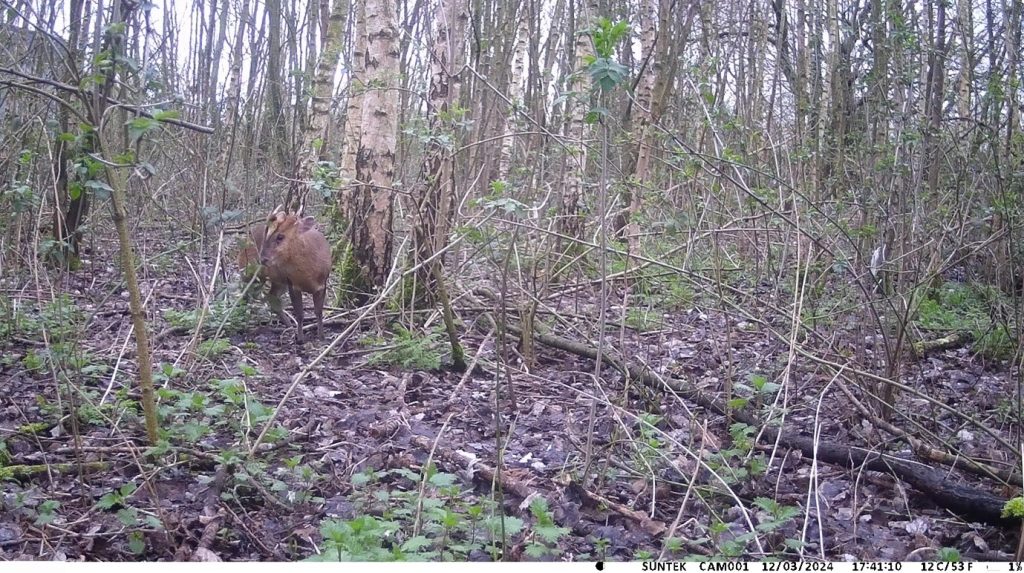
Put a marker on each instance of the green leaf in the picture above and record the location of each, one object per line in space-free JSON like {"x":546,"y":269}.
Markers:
{"x":415,"y":544}
{"x":108,"y":501}
{"x":794,"y":544}
{"x":536,"y":550}
{"x":550,"y":533}
{"x":99,"y":189}
{"x":161,"y":448}
{"x":140,"y":126}
{"x":360,"y":479}
{"x":407,"y":474}
{"x":737,"y":403}
{"x":194,"y":431}
{"x":136,"y":542}
{"x":47,"y":512}
{"x":607,"y":73}
{"x":442,"y":480}
{"x":128,"y":516}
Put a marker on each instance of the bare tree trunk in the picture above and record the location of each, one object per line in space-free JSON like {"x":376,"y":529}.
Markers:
{"x":373,"y":199}
{"x":651,"y":94}
{"x":73,"y":201}
{"x":278,"y":131}
{"x":517,"y":90}
{"x":215,"y":53}
{"x":233,"y":92}
{"x":570,"y":216}
{"x":353,"y":116}
{"x":314,"y":136}
{"x":433,"y":193}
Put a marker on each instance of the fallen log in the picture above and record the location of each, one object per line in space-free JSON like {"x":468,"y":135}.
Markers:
{"x":971,"y":503}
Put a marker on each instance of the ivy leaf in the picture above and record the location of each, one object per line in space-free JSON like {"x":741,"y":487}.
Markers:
{"x":100,"y":189}
{"x":75,"y":190}
{"x":140,"y":126}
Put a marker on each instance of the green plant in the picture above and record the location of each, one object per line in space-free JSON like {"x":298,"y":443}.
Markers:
{"x":772,"y":517}
{"x":677,"y":295}
{"x":759,"y":389}
{"x":1014,"y":508}
{"x":90,"y":411}
{"x":227,"y":310}
{"x":192,"y":416}
{"x":166,"y":372}
{"x":738,"y":462}
{"x":410,"y":352}
{"x":297,"y":482}
{"x":651,"y":444}
{"x":61,"y":318}
{"x":117,"y":498}
{"x":32,"y":361}
{"x":33,"y":428}
{"x":643,"y":319}
{"x":605,"y":72}
{"x":406,"y":516}
{"x":46,"y":512}
{"x":214,"y":347}
{"x":601,"y":545}
{"x":362,"y":539}
{"x":673,"y":546}
{"x":779,"y":514}
{"x":969,"y":308}
{"x":546,"y":532}
{"x":136,"y":542}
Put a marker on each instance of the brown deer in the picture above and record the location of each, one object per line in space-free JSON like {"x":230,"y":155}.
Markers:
{"x":293,"y":254}
{"x":249,"y":263}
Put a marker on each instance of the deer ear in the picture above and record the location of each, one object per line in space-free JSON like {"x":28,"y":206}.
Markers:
{"x":307,"y":224}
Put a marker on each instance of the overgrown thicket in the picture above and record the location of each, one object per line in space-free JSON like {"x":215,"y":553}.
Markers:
{"x":685,"y":235}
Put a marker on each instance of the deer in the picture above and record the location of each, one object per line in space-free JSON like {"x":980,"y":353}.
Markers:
{"x":293,"y":255}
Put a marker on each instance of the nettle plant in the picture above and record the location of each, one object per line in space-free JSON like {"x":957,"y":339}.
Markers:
{"x":429,"y":517}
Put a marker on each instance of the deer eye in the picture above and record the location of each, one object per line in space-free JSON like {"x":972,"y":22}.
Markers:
{"x":280,"y":237}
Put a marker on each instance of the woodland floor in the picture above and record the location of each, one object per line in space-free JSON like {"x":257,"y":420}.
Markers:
{"x":350,"y":415}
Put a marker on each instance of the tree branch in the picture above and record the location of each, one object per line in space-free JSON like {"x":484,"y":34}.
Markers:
{"x":82,"y":93}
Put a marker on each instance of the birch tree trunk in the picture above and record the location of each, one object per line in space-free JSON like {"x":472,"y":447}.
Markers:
{"x":570,"y":216}
{"x":373,"y":198}
{"x":517,"y":91}
{"x":353,"y":117}
{"x":315,"y":134}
